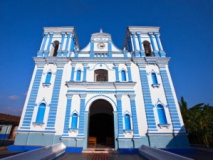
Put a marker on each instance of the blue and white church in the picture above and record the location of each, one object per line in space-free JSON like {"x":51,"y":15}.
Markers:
{"x":101,"y":95}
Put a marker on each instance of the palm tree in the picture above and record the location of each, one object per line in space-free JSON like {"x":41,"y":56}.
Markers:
{"x":198,"y":121}
{"x":185,"y":113}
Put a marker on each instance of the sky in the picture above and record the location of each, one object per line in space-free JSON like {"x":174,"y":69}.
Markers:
{"x":186,"y":28}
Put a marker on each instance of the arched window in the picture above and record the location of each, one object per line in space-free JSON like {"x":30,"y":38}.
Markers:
{"x":40,"y":113}
{"x":101,"y":75}
{"x":123,"y":75}
{"x":55,"y":46}
{"x":161,"y":114}
{"x":48,"y":77}
{"x":127,"y":122}
{"x":74,"y":121}
{"x":154,"y":78}
{"x":147,"y":48}
{"x":78,"y":76}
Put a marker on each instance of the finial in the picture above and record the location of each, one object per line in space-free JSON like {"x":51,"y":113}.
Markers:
{"x":101,"y":30}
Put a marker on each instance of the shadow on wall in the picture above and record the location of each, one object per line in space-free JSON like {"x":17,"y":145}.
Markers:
{"x":6,"y":142}
{"x":174,"y":142}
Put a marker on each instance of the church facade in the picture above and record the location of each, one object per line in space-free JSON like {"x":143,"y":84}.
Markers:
{"x":101,"y":95}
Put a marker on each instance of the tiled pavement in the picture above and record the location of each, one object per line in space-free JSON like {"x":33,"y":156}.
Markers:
{"x":200,"y":155}
{"x":101,"y":156}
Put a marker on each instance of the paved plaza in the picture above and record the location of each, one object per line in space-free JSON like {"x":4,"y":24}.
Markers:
{"x":200,"y":155}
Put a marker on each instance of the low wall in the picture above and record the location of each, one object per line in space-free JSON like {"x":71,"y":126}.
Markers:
{"x":202,"y":148}
{"x":47,"y":152}
{"x":158,"y":154}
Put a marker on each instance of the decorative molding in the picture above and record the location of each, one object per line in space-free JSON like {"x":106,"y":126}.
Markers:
{"x":116,"y":64}
{"x":122,"y":92}
{"x":31,"y":131}
{"x":69,"y":96}
{"x":109,"y":60}
{"x":75,"y":111}
{"x":85,"y":64}
{"x":142,"y":61}
{"x":27,"y":118}
{"x":126,"y":131}
{"x":37,"y":124}
{"x":73,"y":130}
{"x":132,"y":96}
{"x":127,"y":112}
{"x":101,"y":96}
{"x":155,"y":85}
{"x":101,"y":85}
{"x":101,"y":66}
{"x":164,"y":125}
{"x":82,"y":96}
{"x":128,"y":64}
{"x":152,"y":71}
{"x":118,"y":96}
{"x":46,"y":84}
{"x":123,"y":69}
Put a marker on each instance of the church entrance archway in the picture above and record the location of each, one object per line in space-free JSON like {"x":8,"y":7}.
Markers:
{"x":101,"y":125}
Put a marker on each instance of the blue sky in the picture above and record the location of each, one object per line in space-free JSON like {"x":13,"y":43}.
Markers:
{"x":186,"y":35}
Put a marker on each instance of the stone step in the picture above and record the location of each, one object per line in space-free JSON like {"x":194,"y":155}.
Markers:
{"x":99,"y":150}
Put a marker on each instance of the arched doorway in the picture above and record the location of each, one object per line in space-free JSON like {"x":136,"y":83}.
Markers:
{"x":101,"y":125}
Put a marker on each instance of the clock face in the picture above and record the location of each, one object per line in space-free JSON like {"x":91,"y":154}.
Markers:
{"x":101,"y":45}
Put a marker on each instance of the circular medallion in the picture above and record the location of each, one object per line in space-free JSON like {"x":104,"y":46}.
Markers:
{"x":101,"y":45}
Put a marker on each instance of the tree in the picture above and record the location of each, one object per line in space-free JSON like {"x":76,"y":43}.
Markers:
{"x":198,"y":122}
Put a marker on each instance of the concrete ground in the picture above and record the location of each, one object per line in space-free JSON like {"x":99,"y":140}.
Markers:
{"x":201,"y":154}
{"x":100,"y":156}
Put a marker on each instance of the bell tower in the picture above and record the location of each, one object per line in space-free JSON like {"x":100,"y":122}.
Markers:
{"x":58,"y":43}
{"x":144,"y":42}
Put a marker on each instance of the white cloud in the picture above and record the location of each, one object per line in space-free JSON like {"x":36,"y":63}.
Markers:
{"x":13,"y":97}
{"x":11,"y":111}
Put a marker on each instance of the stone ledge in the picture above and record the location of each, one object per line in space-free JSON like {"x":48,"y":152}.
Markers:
{"x":47,"y":152}
{"x":158,"y":154}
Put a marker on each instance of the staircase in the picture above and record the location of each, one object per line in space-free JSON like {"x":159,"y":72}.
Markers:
{"x":100,"y":150}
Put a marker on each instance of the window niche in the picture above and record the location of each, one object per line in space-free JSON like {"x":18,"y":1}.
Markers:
{"x":40,"y":114}
{"x":123,"y":75}
{"x":73,"y":123}
{"x":127,"y":124}
{"x":54,"y":49}
{"x":154,"y":80}
{"x":78,"y":75}
{"x":48,"y":79}
{"x":161,"y":116}
{"x":147,"y":48}
{"x":101,"y":75}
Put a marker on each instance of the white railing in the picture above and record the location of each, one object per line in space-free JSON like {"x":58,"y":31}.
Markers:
{"x":158,"y":154}
{"x":47,"y":152}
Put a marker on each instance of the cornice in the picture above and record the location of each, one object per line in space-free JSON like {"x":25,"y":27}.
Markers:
{"x":141,"y":61}
{"x":63,"y":60}
{"x":101,"y":85}
{"x":59,"y":61}
{"x":39,"y":61}
{"x":59,"y":29}
{"x":143,"y":29}
{"x":117,"y":93}
{"x":101,"y":59}
{"x":112,"y":52}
